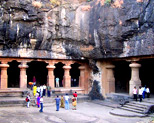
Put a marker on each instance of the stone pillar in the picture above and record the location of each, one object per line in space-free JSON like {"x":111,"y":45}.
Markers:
{"x":110,"y":79}
{"x":82,"y":75}
{"x":135,"y":80}
{"x":51,"y":77}
{"x":23,"y":76}
{"x":4,"y":76}
{"x":67,"y":77}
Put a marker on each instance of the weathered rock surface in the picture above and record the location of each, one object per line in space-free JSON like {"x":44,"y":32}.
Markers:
{"x":76,"y":29}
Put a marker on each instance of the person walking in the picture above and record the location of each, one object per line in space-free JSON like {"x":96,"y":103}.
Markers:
{"x":135,"y":93}
{"x":41,"y":103}
{"x":57,"y":103}
{"x":62,"y":102}
{"x":66,"y":102}
{"x":140,"y":94}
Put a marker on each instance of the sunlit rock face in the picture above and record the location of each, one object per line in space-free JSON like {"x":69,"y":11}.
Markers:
{"x":76,"y":29}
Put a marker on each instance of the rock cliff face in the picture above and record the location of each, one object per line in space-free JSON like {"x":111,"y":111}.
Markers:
{"x":76,"y":29}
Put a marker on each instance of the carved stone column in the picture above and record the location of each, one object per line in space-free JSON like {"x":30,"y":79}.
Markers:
{"x":110,"y":79}
{"x":135,"y":80}
{"x":4,"y":76}
{"x":82,"y":75}
{"x":23,"y":76}
{"x":67,"y":77}
{"x":51,"y":76}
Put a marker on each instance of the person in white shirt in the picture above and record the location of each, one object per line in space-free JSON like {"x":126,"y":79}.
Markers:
{"x":41,"y":90}
{"x":135,"y":93}
{"x":66,"y":102}
{"x":44,"y":90}
{"x":57,"y":82}
{"x":41,"y":103}
{"x":140,"y":93}
{"x":148,"y":92}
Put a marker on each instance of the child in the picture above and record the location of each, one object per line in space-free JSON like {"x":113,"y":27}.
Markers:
{"x":28,"y":100}
{"x":74,"y":102}
{"x":57,"y":103}
{"x":41,"y":102}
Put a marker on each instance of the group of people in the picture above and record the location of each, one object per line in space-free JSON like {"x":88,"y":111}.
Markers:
{"x":62,"y":102}
{"x":141,"y":92}
{"x":42,"y":90}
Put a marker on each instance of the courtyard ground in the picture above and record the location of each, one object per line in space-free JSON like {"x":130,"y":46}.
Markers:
{"x":87,"y":112}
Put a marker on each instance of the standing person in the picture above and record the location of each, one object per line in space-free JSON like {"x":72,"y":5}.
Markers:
{"x":140,"y":94}
{"x":38,"y":90}
{"x":143,"y":92}
{"x":38,"y":101}
{"x":57,"y":103}
{"x":57,"y":82}
{"x":34,"y":89}
{"x":28,"y":100}
{"x":148,"y":92}
{"x":135,"y":93}
{"x":74,"y":102}
{"x":48,"y":91}
{"x":44,"y":90}
{"x":41,"y":103}
{"x":62,"y":102}
{"x":41,"y":90}
{"x":66,"y":102}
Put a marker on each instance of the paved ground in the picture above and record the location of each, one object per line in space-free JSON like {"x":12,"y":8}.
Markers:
{"x":86,"y":112}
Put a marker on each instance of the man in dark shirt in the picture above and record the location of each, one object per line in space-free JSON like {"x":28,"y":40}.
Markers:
{"x":57,"y":103}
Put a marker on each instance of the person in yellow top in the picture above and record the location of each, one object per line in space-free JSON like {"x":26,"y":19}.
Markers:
{"x":34,"y":89}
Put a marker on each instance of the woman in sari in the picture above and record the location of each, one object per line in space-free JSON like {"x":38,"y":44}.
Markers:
{"x":62,"y":102}
{"x":74,"y":102}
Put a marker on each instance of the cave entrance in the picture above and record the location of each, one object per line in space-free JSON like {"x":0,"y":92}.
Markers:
{"x":13,"y":75}
{"x":122,"y":73}
{"x":39,"y":70}
{"x":59,"y":73}
{"x":75,"y":74}
{"x":146,"y":74}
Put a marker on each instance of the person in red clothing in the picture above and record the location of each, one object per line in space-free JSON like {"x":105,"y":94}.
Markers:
{"x":75,"y":94}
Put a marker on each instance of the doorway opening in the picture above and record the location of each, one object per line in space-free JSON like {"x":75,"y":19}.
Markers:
{"x":75,"y":74}
{"x":39,"y":70}
{"x":13,"y":75}
{"x":59,"y":73}
{"x":122,"y":73}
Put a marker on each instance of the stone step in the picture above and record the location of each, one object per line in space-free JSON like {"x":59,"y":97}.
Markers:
{"x":132,"y":110}
{"x":134,"y":107}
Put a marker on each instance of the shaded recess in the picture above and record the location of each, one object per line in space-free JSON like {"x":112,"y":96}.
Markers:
{"x":146,"y":73}
{"x":39,"y":70}
{"x":59,"y":72}
{"x":75,"y":74}
{"x":122,"y":73}
{"x":13,"y":75}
